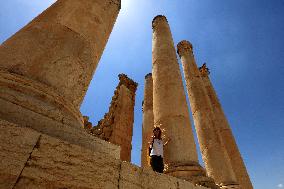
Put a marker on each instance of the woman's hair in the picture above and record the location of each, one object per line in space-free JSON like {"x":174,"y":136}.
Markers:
{"x":160,"y":132}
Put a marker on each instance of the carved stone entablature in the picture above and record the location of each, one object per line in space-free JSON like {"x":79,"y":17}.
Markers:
{"x":126,"y":81}
{"x":117,"y":2}
{"x":148,"y":75}
{"x":184,"y":47}
{"x":204,"y":71}
{"x":158,"y":19}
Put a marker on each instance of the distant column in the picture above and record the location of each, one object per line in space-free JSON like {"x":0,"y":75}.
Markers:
{"x":46,"y":67}
{"x":215,"y":158}
{"x":225,"y":132}
{"x":170,"y":107}
{"x":148,"y":119}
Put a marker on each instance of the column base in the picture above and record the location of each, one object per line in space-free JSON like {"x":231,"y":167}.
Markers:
{"x":191,"y":172}
{"x":32,"y":104}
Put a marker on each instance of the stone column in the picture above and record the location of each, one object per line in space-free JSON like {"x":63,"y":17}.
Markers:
{"x":46,"y":67}
{"x":170,"y":107}
{"x":225,"y":132}
{"x":148,"y":120}
{"x":215,"y":158}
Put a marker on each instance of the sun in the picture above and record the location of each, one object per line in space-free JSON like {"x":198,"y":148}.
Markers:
{"x":125,"y":4}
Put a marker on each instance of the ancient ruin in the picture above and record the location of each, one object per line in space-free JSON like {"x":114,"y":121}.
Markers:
{"x":148,"y":120}
{"x":46,"y":67}
{"x":212,"y":149}
{"x":117,"y":125}
{"x":45,"y":71}
{"x":225,"y":132}
{"x":170,"y":108}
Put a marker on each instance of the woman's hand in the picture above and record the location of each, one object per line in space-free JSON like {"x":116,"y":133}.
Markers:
{"x":167,"y":141}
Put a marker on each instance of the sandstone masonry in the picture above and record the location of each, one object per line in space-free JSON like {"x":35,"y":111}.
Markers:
{"x":170,"y":108}
{"x":45,"y":70}
{"x":213,"y":153}
{"x":148,"y":120}
{"x":46,"y":67}
{"x":225,"y":132}
{"x":44,"y":162}
{"x":117,"y":125}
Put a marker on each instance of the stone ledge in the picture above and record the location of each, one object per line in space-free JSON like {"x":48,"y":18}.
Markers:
{"x":62,"y":165}
{"x":16,"y":145}
{"x":134,"y":177}
{"x":64,"y":132}
{"x":30,"y":159}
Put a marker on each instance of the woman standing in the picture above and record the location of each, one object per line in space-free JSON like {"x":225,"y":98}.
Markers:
{"x":156,"y":150}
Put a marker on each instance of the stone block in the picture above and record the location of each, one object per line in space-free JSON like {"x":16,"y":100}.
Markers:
{"x":154,"y":180}
{"x":133,"y":177}
{"x":57,"y":129}
{"x":57,"y":164}
{"x":31,"y":160}
{"x":130,"y":176}
{"x":182,"y":184}
{"x":16,"y":146}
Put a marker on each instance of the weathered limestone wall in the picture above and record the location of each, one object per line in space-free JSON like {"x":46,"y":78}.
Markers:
{"x":225,"y":132}
{"x":148,"y":120}
{"x":213,"y":153}
{"x":46,"y":67}
{"x":133,"y":177}
{"x":30,"y":159}
{"x":27,"y":154}
{"x":170,"y":108}
{"x":117,"y":125}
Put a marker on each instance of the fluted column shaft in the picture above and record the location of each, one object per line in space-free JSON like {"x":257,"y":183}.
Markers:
{"x":46,"y":67}
{"x":225,"y":132}
{"x":148,"y":120}
{"x":216,"y":160}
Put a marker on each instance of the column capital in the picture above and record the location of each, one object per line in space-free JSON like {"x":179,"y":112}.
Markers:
{"x":157,"y":19}
{"x":117,"y":2}
{"x":129,"y":83}
{"x":149,"y":75}
{"x":184,"y":47}
{"x":204,"y":71}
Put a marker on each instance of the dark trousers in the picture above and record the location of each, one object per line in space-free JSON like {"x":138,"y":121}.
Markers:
{"x":157,"y":163}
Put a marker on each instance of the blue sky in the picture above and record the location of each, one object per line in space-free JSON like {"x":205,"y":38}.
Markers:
{"x":242,"y":43}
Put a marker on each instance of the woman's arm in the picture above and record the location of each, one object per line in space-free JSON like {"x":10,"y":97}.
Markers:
{"x":150,"y":143}
{"x":167,"y":142}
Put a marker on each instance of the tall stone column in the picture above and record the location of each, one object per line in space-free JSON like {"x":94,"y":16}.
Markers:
{"x":225,"y":132}
{"x":215,"y":158}
{"x":170,"y":107}
{"x":46,"y":67}
{"x":148,"y":119}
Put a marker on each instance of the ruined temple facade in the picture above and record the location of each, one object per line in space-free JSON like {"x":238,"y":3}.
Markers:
{"x":117,"y":125}
{"x":45,"y":71}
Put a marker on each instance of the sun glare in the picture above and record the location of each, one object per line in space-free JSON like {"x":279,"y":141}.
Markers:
{"x":125,"y":4}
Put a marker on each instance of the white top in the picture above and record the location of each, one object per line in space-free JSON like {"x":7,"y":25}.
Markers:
{"x":157,"y":148}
